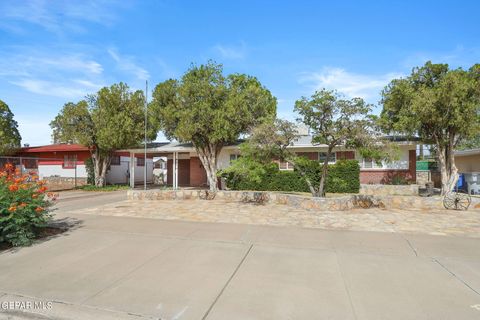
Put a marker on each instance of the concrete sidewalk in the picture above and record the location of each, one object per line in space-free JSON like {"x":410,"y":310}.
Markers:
{"x":135,"y":268}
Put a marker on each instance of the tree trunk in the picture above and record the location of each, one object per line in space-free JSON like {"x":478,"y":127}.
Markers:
{"x":208,"y":156}
{"x":448,"y":170}
{"x":100,"y":164}
{"x":313,"y":191}
{"x":323,"y":176}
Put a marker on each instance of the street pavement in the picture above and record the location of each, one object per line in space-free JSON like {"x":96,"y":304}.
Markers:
{"x":107,"y":267}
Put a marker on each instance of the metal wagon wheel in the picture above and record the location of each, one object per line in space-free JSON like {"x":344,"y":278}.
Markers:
{"x":456,"y":200}
{"x":206,"y":195}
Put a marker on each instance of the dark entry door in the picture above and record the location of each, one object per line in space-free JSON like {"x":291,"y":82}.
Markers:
{"x":184,"y":172}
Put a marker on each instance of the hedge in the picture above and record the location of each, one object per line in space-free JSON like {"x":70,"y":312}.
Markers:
{"x":343,"y":177}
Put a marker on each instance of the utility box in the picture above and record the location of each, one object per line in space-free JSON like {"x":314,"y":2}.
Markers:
{"x":473,"y":182}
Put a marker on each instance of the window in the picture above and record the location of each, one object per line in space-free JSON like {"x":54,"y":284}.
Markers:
{"x":234,"y":157}
{"x":323,"y":155}
{"x":308,"y":155}
{"x":283,"y":165}
{"x":140,"y":162}
{"x":69,"y":161}
{"x":369,"y":163}
{"x":115,"y":161}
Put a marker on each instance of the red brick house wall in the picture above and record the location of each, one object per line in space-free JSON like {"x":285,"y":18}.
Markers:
{"x":383,"y":176}
{"x":198,"y":176}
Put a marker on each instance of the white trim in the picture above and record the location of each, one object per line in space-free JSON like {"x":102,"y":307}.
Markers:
{"x":470,"y":152}
{"x":289,"y":167}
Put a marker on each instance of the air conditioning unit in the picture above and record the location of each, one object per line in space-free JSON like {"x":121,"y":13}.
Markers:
{"x":473,"y":182}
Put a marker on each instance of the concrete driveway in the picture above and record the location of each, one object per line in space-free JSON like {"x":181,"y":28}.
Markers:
{"x":137,"y":268}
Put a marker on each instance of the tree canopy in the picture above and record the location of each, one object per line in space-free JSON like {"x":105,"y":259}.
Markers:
{"x":9,"y":135}
{"x":109,"y":120}
{"x":266,"y":142}
{"x":439,"y":105}
{"x":210,"y":110}
{"x":333,"y":120}
{"x":336,"y":121}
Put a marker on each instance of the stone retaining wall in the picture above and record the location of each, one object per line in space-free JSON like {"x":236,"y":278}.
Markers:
{"x":389,"y":190}
{"x":304,"y":202}
{"x":61,"y":183}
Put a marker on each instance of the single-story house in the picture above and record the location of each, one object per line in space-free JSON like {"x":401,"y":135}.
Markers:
{"x":468,"y":165}
{"x":184,"y":168}
{"x":64,"y":163}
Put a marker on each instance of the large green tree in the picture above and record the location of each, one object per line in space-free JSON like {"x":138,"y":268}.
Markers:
{"x":109,"y":120}
{"x":439,"y":105}
{"x":267,"y":142}
{"x":9,"y":135}
{"x":471,"y":143}
{"x":210,"y":110}
{"x":337,"y":121}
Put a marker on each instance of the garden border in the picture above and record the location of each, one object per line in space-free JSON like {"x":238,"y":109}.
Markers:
{"x":341,"y":203}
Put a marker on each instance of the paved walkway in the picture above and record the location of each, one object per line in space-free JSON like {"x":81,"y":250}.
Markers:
{"x":440,"y":222}
{"x":122,"y":267}
{"x":130,"y":268}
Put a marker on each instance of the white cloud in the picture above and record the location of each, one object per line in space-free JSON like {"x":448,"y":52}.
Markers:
{"x":55,"y":15}
{"x":460,"y":56}
{"x":232,"y":52}
{"x":127,"y":64}
{"x":365,"y":86}
{"x":58,"y":74}
{"x":24,"y":64}
{"x":54,"y":89}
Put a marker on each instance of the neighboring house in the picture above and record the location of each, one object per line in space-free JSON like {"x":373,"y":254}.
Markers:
{"x":468,"y":165}
{"x":160,"y":171}
{"x":56,"y":160}
{"x":64,"y":163}
{"x":189,"y":170}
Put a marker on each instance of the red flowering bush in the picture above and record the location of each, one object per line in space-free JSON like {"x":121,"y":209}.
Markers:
{"x":24,"y":206}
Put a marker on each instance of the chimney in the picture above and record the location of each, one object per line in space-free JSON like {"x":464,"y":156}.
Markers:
{"x":26,"y":145}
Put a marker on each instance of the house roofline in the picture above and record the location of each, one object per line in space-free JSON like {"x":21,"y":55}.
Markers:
{"x":59,"y":147}
{"x":468,"y":152}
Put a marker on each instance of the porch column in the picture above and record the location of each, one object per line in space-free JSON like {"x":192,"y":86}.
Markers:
{"x":132,"y":170}
{"x":175,"y":170}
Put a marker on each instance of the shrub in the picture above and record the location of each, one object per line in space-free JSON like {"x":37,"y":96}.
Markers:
{"x":398,"y":180}
{"x":24,"y":208}
{"x":90,"y":171}
{"x":343,"y":177}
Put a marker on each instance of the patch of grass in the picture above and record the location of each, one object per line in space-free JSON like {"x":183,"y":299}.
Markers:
{"x":308,"y":194}
{"x":114,"y":187}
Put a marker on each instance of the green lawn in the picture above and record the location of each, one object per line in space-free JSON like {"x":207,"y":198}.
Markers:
{"x":104,"y":189}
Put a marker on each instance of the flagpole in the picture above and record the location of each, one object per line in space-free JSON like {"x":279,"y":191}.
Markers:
{"x":145,"y":139}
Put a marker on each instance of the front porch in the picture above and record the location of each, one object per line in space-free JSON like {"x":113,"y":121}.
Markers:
{"x":184,"y":168}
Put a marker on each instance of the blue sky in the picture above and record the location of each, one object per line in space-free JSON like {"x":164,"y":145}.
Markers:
{"x":52,"y":51}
